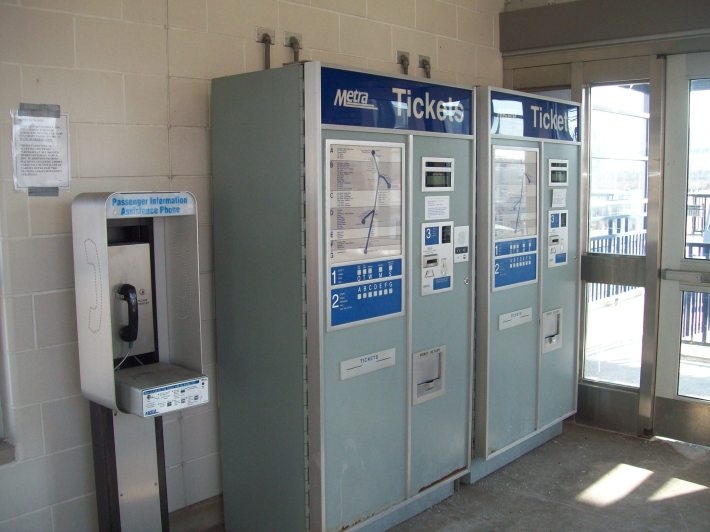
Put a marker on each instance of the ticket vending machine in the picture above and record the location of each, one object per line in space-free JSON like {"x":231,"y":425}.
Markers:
{"x":140,"y":356}
{"x":528,"y":276}
{"x":343,"y":216}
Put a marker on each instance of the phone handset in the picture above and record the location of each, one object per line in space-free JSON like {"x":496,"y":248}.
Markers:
{"x":129,"y":333}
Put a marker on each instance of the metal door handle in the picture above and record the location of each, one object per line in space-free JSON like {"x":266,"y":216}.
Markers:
{"x":685,"y":276}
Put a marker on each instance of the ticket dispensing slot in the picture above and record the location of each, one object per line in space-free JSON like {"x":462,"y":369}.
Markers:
{"x":428,"y":374}
{"x":552,"y":330}
{"x":431,"y":261}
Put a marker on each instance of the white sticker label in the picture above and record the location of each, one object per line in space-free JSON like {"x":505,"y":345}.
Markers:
{"x":164,"y":399}
{"x":366,"y":364}
{"x":559,"y":198}
{"x":515,"y":318}
{"x":436,"y":207}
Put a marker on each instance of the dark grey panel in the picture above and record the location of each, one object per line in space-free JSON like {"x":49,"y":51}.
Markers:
{"x":682,"y":420}
{"x":590,"y":21}
{"x":614,"y":269}
{"x":607,"y":408}
{"x":256,"y":162}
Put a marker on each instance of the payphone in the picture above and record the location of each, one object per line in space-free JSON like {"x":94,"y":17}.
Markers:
{"x":344,"y":329}
{"x":138,"y":322}
{"x":528,"y":282}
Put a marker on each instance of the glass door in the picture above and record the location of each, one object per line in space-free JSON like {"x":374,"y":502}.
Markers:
{"x":682,"y":402}
{"x":617,"y":223}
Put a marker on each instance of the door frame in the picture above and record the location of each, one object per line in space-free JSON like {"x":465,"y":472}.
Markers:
{"x":620,"y":408}
{"x":677,"y":416}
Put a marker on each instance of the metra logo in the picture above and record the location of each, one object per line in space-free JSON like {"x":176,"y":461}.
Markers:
{"x":358,"y":99}
{"x":428,"y":107}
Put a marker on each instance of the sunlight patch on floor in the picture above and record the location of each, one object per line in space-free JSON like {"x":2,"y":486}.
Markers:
{"x":676,"y":487}
{"x":614,"y":486}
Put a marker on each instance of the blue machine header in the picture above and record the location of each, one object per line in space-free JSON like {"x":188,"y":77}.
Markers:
{"x":526,"y":116}
{"x":367,"y":100}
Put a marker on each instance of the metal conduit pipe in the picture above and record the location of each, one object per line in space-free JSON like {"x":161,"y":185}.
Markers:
{"x":266,"y":41}
{"x":404,"y":61}
{"x":426,"y":65}
{"x":295,"y":45}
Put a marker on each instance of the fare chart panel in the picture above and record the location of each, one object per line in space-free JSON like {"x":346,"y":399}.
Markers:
{"x":515,"y":216}
{"x":364,"y":213}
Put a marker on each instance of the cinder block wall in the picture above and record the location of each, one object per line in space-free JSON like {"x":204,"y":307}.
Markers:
{"x":134,"y":77}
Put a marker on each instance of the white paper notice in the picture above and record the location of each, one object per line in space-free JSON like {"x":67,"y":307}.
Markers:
{"x":436,"y":207}
{"x":40,"y":151}
{"x":559,"y":198}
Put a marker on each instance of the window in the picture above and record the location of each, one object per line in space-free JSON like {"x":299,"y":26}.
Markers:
{"x":618,"y":184}
{"x":697,"y":232}
{"x":617,"y":225}
{"x":614,"y":330}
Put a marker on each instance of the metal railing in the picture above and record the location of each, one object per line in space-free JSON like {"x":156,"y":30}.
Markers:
{"x":696,"y":317}
{"x":696,"y":305}
{"x":627,"y":243}
{"x":696,"y":213}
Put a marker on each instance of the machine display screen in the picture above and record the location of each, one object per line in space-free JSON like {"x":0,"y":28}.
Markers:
{"x":437,"y":174}
{"x":558,"y":172}
{"x":446,"y":234}
{"x":558,"y":176}
{"x":438,"y":179}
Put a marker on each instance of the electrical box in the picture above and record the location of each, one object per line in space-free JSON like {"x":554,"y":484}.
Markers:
{"x":345,"y":321}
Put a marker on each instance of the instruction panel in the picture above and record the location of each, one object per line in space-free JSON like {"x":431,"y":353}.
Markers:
{"x":515,"y":216}
{"x":364,"y":230}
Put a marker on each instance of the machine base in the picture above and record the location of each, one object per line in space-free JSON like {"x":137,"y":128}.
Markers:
{"x":482,"y":468}
{"x":407,"y":509}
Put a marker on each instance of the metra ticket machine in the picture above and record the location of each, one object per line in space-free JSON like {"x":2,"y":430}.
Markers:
{"x":137,"y":301}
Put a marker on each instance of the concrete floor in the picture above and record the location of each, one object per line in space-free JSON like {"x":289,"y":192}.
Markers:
{"x":585,"y":479}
